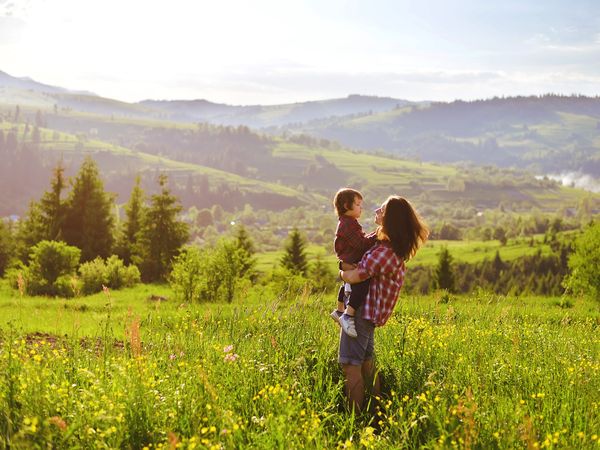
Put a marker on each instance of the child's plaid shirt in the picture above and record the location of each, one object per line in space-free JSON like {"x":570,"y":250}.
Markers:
{"x":351,"y":243}
{"x":386,"y":270}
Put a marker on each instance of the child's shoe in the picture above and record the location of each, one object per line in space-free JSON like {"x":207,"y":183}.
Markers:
{"x":347,"y":323}
{"x":335,"y":315}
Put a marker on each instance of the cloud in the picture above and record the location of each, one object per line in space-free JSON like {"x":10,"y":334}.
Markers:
{"x":11,"y":29}
{"x":578,"y":180}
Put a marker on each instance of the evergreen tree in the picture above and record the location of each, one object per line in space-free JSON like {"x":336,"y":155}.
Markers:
{"x":52,"y":207}
{"x":246,"y":250}
{"x":161,"y":236}
{"x":500,"y":234}
{"x":498,"y":264}
{"x":30,"y":231}
{"x":6,"y":246}
{"x":294,"y":258}
{"x":444,"y":273}
{"x":89,"y":217}
{"x":134,"y":216}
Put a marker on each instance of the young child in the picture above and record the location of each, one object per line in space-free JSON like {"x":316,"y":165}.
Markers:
{"x":350,"y":245}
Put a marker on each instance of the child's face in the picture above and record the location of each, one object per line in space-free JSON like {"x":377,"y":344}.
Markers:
{"x":356,"y":208}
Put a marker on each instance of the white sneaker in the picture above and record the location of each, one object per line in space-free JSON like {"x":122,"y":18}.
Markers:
{"x":347,"y":323}
{"x":335,"y":315}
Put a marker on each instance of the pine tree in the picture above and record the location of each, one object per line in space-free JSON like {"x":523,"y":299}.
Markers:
{"x":294,"y":258}
{"x":52,"y":207}
{"x":89,"y":220}
{"x":246,"y":251}
{"x":134,"y":217}
{"x":497,"y":264}
{"x":162,"y":234}
{"x":6,"y":246}
{"x":30,"y":231}
{"x":444,"y":274}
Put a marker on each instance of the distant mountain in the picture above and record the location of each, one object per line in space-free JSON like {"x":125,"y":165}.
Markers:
{"x":258,"y":116}
{"x":26,"y":83}
{"x":233,"y":166}
{"x":25,"y":91}
{"x":547,"y":134}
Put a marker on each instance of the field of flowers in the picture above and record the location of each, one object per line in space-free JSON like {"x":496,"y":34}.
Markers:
{"x":475,"y":371}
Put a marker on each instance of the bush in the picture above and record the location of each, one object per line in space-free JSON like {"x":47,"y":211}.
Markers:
{"x":111,"y":273}
{"x":51,"y":269}
{"x":287,"y":284}
{"x":91,"y":275}
{"x":186,"y":277}
{"x":209,"y":274}
{"x":584,"y":276}
{"x":118,"y":275}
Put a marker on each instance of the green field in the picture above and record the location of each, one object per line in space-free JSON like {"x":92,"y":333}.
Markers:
{"x":462,"y":251}
{"x":476,"y":251}
{"x":118,"y":370}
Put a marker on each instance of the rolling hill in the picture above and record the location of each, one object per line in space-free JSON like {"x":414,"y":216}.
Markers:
{"x":234,"y":165}
{"x":548,"y":134}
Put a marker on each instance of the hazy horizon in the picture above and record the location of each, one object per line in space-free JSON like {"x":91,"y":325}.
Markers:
{"x":273,"y":53}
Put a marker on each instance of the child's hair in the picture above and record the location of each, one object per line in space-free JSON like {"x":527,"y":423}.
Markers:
{"x":404,"y":228}
{"x":344,"y":198}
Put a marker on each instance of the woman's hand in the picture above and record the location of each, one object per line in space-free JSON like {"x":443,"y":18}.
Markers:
{"x":350,"y":276}
{"x":347,"y":266}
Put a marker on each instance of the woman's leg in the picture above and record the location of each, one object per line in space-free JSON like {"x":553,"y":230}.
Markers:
{"x":371,"y":377}
{"x":356,"y":358}
{"x":355,"y":386}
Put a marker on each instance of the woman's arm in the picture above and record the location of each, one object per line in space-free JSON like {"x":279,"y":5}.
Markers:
{"x":369,"y":266}
{"x":351,"y":276}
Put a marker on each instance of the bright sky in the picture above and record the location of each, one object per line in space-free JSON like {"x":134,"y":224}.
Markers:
{"x":274,"y":51}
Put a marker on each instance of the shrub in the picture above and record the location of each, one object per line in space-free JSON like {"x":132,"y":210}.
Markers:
{"x":111,"y":273}
{"x":118,"y":275}
{"x":92,"y":276}
{"x":584,"y":276}
{"x":208,"y":274}
{"x":186,"y":277}
{"x":51,"y":268}
{"x":288,"y":284}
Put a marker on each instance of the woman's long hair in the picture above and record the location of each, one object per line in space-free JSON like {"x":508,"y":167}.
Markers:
{"x":401,"y":224}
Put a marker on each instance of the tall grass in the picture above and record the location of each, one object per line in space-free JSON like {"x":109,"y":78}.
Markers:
{"x":478,"y":371}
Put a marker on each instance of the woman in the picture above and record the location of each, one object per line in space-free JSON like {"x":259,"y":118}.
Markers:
{"x":400,"y":234}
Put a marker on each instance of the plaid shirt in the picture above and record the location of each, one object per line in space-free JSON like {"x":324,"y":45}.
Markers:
{"x":350,"y":242}
{"x":386,"y":271}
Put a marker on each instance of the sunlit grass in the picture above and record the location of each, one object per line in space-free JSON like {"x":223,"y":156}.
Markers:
{"x":482,"y":370}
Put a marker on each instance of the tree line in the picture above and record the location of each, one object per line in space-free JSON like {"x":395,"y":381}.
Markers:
{"x":571,"y":267}
{"x":72,"y":242}
{"x":85,"y":218}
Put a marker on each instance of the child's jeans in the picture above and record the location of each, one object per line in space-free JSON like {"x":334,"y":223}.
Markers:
{"x":358,"y":294}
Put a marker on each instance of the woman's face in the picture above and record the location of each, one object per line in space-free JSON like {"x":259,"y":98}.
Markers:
{"x":379,"y":214}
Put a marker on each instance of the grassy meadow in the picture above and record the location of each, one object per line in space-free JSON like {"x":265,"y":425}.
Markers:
{"x":119,"y":370}
{"x":464,"y":251}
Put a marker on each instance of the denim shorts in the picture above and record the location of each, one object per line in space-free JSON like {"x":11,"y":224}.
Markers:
{"x":355,"y":351}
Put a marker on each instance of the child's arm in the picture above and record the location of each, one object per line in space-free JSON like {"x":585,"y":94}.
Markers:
{"x":356,"y":238}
